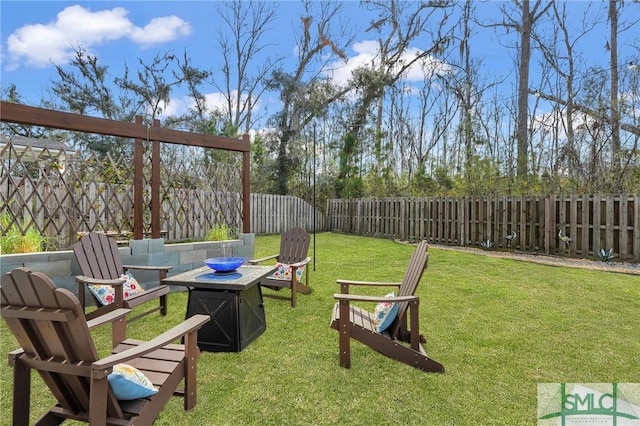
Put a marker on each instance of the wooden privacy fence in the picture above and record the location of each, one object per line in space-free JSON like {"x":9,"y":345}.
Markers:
{"x":593,"y":222}
{"x":274,"y":214}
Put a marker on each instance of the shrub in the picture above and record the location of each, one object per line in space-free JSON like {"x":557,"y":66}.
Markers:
{"x":13,"y":241}
{"x":487,"y":244}
{"x":606,"y":255}
{"x":218,"y":233}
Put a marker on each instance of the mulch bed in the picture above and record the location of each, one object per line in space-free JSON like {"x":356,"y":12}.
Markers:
{"x":570,"y":262}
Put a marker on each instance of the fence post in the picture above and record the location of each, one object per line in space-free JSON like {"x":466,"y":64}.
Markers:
{"x":609,"y":222}
{"x":403,"y":219}
{"x":597,"y":224}
{"x":549,"y":222}
{"x":623,"y":231}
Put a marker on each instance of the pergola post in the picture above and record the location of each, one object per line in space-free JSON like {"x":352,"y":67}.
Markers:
{"x":138,"y":186}
{"x":246,"y":187}
{"x":155,"y":185}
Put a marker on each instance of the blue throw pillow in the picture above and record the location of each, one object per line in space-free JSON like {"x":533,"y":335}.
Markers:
{"x":128,"y":383}
{"x":385,"y":313}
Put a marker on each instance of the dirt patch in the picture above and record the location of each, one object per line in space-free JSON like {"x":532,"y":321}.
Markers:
{"x":611,"y":266}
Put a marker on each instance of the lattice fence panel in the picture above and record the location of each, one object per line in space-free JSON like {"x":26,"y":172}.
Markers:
{"x":214,"y":198}
{"x":103,"y":194}
{"x":61,"y":195}
{"x":33,"y":192}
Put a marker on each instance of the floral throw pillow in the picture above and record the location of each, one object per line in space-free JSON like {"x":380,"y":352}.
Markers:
{"x":283,"y":272}
{"x":106,"y":294}
{"x":384,"y":314}
{"x":128,"y":383}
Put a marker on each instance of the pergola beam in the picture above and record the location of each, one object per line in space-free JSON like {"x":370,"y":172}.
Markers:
{"x":29,"y":115}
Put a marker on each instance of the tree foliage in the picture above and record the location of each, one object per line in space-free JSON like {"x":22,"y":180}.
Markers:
{"x":557,"y":123}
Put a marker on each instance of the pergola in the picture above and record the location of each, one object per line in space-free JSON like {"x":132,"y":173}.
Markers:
{"x":28,"y":115}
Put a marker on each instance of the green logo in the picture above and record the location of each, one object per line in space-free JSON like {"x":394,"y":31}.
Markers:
{"x":596,"y":404}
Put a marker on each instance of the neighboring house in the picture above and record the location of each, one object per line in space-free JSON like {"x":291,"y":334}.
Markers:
{"x":32,"y":149}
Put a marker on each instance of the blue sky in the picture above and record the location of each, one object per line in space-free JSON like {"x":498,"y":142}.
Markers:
{"x":34,"y":33}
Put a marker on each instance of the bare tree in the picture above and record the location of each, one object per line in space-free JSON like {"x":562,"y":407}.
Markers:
{"x":613,"y":66}
{"x":560,"y":76}
{"x":523,"y":24}
{"x":615,"y":27}
{"x":466,"y":83}
{"x":246,"y":66}
{"x":432,"y":132}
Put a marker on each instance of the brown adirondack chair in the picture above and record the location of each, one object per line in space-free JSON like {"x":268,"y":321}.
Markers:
{"x":100,"y":263}
{"x":357,"y":323}
{"x":50,"y":326}
{"x":294,"y":246}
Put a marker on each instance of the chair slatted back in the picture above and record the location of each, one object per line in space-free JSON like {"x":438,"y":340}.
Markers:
{"x":416,"y":268}
{"x":294,"y":245}
{"x":98,"y":256}
{"x":49,"y":324}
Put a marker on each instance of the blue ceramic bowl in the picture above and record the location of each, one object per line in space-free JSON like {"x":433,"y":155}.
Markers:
{"x":225,"y":264}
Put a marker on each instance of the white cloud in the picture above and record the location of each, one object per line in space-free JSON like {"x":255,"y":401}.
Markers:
{"x":39,"y":44}
{"x":175,"y":107}
{"x":215,"y":102}
{"x":160,"y":30}
{"x":367,"y":54}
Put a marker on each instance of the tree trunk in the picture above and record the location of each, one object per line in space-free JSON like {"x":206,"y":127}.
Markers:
{"x":615,"y":109}
{"x":282,"y":165}
{"x":522,"y":133}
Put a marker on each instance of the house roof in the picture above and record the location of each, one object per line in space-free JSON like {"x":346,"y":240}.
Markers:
{"x":38,"y":146}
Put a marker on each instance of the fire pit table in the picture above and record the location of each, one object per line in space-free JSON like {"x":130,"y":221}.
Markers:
{"x":232,"y":299}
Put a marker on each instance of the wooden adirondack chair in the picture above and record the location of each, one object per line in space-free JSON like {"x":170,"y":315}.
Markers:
{"x":100,"y":263}
{"x":357,"y":323}
{"x":50,"y":326}
{"x":294,"y":246}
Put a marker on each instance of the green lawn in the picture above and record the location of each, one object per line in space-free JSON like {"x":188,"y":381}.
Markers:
{"x":498,"y":326}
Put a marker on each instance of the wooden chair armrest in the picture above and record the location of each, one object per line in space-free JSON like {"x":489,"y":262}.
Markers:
{"x":369,"y":283}
{"x":345,"y":284}
{"x":377,"y":299}
{"x":262,"y":259}
{"x":13,"y":355}
{"x":301,"y":263}
{"x":100,"y":281}
{"x":108,"y":318}
{"x":148,"y":267}
{"x":189,"y":325}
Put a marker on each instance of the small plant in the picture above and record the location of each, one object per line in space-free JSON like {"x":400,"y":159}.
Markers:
{"x":13,"y":241}
{"x":606,"y":255}
{"x":487,"y":245}
{"x":218,"y":233}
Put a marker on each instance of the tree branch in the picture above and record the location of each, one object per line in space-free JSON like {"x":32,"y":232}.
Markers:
{"x":591,"y":112}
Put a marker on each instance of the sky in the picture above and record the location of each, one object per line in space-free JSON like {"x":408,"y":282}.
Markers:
{"x":35,"y":34}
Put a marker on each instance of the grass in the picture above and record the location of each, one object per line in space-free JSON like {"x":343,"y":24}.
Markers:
{"x":498,"y":326}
